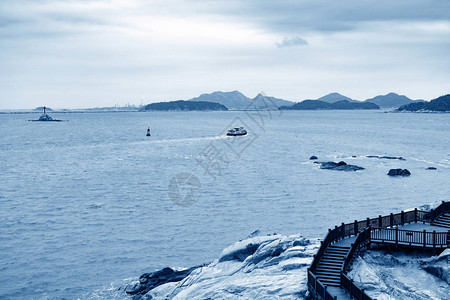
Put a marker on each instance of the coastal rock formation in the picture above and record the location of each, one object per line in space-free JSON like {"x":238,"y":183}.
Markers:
{"x":431,"y":168}
{"x":399,"y":172}
{"x":385,"y":157}
{"x":386,"y":275}
{"x":149,"y":281}
{"x":313,"y":157}
{"x":262,"y":267}
{"x":340,"y":166}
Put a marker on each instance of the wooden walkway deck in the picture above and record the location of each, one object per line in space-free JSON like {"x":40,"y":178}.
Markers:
{"x":327,"y":277}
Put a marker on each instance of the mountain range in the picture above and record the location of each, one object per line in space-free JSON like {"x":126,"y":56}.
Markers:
{"x":235,"y":100}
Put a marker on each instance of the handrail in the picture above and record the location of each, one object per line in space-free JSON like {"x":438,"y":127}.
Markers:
{"x":442,"y":208}
{"x":410,"y":237}
{"x":352,"y":289}
{"x":318,"y":287}
{"x":362,"y":239}
{"x":320,"y":252}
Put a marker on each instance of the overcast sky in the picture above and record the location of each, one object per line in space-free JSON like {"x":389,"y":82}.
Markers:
{"x":87,"y":53}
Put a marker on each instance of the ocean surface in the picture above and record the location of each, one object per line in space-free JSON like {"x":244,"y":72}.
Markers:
{"x":88,"y":205}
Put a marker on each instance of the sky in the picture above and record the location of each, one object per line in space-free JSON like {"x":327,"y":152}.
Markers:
{"x":94,"y":53}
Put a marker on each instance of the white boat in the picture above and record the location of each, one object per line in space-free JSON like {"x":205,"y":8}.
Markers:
{"x":237,"y":131}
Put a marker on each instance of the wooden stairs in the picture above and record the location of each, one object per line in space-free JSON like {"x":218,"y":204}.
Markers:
{"x":328,"y":270}
{"x":442,"y":221}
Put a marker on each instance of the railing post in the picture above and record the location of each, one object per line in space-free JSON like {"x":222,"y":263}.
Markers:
{"x":415,"y":215}
{"x":343,"y":229}
{"x":434,"y":241}
{"x":368,"y":222}
{"x":424,"y":239}
{"x":391,"y":219}
{"x":355,"y":227}
{"x":380,"y":221}
{"x":396,"y":236}
{"x":403,"y":218}
{"x":351,"y":285}
{"x":431,"y":215}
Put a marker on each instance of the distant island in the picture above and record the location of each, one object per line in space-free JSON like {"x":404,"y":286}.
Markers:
{"x":392,"y":100}
{"x":41,"y":108}
{"x":321,"y":105}
{"x":182,"y":105}
{"x":441,"y":104}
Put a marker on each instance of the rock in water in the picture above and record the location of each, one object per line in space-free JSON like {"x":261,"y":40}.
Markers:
{"x":340,"y":166}
{"x":431,"y":168}
{"x":149,"y":281}
{"x":313,"y":157}
{"x":399,"y":172}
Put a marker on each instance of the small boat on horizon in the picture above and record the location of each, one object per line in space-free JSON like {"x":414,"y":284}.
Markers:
{"x":237,"y":131}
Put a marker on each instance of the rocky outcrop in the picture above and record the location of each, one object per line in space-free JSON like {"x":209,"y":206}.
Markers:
{"x":431,"y":168}
{"x":385,"y":157}
{"x":313,"y":157}
{"x":149,"y":281}
{"x":340,"y":166}
{"x":399,"y":172}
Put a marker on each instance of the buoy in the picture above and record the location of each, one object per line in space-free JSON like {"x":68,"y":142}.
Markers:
{"x":148,"y":132}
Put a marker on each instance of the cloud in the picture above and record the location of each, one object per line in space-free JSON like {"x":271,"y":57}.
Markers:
{"x":292,"y":42}
{"x":65,"y":52}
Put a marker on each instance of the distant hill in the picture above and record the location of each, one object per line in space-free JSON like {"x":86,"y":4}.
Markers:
{"x":267,"y":102}
{"x":237,"y":100}
{"x":392,"y":100}
{"x":232,"y":100}
{"x":439,"y":104}
{"x":321,"y":105}
{"x":182,"y":105}
{"x":335,"y":97}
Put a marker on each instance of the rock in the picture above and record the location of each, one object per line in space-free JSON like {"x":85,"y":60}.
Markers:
{"x":313,"y":157}
{"x":431,"y":168}
{"x":149,"y":281}
{"x":386,"y":157}
{"x":399,"y":172}
{"x":340,"y":166}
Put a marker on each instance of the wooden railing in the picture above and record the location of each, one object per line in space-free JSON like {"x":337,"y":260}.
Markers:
{"x":352,"y":289}
{"x":410,"y":237}
{"x":443,"y":208}
{"x":362,"y":240}
{"x":374,"y":228}
{"x":318,"y":288}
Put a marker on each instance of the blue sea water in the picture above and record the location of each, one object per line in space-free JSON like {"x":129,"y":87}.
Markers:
{"x":84,"y":205}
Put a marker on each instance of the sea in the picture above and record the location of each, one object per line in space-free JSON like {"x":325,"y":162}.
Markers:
{"x":89,"y":204}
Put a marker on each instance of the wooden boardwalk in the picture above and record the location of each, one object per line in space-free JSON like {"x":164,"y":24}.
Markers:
{"x":327,"y":277}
